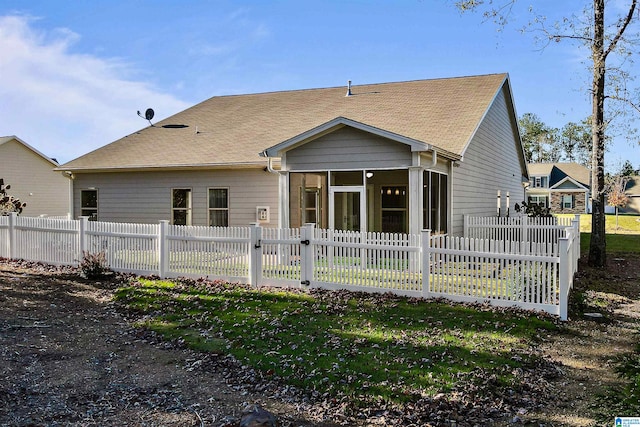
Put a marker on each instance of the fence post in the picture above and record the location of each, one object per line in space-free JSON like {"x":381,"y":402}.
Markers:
{"x":84,"y":243}
{"x":426,"y":263}
{"x":13,"y":217}
{"x":306,"y":254}
{"x":576,"y":225}
{"x":564,"y":270}
{"x":255,"y":254}
{"x":465,"y":226}
{"x":163,"y":249}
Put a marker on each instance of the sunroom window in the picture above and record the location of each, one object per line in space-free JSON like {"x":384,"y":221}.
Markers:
{"x":435,"y":202}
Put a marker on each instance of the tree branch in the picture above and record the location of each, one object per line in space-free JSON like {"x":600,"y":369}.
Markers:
{"x":621,"y":29}
{"x":626,"y":101}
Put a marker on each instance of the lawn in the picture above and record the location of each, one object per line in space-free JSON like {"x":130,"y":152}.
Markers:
{"x":622,"y":239}
{"x":366,"y":347}
{"x":627,"y":224}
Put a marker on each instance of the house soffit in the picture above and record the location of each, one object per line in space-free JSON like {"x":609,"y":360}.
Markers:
{"x":338,"y":123}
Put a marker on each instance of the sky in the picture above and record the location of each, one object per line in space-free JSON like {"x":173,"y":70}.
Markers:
{"x":74,"y":74}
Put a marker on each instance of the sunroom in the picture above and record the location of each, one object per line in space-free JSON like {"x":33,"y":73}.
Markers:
{"x":345,"y":175}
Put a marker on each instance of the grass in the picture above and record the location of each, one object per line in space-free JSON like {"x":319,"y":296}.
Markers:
{"x":616,"y":243}
{"x":363,"y":346}
{"x":623,"y":239}
{"x":627,"y":224}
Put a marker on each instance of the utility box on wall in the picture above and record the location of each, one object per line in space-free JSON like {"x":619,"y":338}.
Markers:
{"x":262,"y":214}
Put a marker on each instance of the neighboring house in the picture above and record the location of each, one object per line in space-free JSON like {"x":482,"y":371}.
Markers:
{"x":391,"y":157}
{"x":563,"y":187}
{"x":33,"y":179}
{"x":632,"y":190}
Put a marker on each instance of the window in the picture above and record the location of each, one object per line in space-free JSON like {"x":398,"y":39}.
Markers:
{"x":310,"y":203}
{"x":567,"y":201}
{"x":394,"y":209}
{"x":89,"y":204}
{"x":435,"y":202}
{"x":538,"y":182}
{"x":308,"y":199}
{"x":218,"y":207}
{"x":181,"y":206}
{"x":538,"y":200}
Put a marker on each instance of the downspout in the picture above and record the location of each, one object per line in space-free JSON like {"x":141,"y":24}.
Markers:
{"x":434,"y":158}
{"x":269,"y":162}
{"x":283,"y":215}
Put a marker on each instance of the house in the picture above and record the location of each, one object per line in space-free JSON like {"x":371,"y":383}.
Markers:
{"x":562,"y":187}
{"x":390,"y":157}
{"x":33,"y":179}
{"x":632,"y":190}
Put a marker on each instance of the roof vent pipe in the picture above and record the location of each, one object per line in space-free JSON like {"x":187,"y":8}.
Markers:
{"x":348,"y":88}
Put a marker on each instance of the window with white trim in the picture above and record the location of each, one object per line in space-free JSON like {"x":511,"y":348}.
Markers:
{"x":567,"y":201}
{"x":89,"y":204}
{"x":538,"y":200}
{"x":218,"y":207}
{"x":181,"y":206}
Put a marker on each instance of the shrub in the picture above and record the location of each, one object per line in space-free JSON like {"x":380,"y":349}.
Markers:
{"x":94,"y":265}
{"x":533,"y":210}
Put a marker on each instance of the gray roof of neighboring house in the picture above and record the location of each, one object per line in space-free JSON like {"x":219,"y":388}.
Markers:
{"x":633,"y":186}
{"x":233,"y":130}
{"x":558,"y":171}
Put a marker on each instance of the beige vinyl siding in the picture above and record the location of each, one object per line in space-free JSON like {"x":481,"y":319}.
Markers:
{"x":145,"y":197}
{"x":33,"y":180}
{"x":491,"y":163}
{"x":349,"y":148}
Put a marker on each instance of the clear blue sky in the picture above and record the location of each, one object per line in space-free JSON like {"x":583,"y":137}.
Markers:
{"x":74,"y":73}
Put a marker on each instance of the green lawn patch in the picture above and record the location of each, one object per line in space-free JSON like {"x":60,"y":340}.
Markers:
{"x":369,"y":347}
{"x":616,"y":243}
{"x":626,"y":224}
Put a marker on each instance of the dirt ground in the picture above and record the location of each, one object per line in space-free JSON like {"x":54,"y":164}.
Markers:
{"x":69,"y":357}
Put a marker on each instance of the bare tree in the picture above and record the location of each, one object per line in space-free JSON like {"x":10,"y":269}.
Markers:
{"x":616,"y":196}
{"x":605,"y":43}
{"x":9,"y":203}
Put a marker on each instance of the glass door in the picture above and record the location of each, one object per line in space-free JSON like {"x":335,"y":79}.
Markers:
{"x":347,"y":208}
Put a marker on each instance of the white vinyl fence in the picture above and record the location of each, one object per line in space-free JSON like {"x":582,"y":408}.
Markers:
{"x":530,"y":274}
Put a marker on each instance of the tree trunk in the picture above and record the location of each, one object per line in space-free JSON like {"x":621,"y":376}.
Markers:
{"x":597,"y":249}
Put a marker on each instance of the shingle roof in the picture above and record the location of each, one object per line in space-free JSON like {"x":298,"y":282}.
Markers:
{"x":234,"y":129}
{"x":574,"y":170}
{"x":633,"y":186}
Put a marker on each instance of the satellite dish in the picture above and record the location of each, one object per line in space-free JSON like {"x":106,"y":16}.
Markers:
{"x":148,"y":115}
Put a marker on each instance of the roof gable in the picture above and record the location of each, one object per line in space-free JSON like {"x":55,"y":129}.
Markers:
{"x":235,"y":130}
{"x":332,"y":126}
{"x":6,"y":139}
{"x":568,"y":183}
{"x":557,"y":172}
